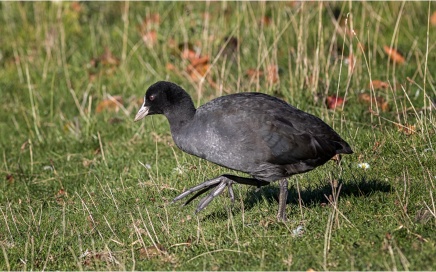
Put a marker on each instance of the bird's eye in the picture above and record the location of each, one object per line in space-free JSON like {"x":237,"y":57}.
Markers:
{"x":151,"y":97}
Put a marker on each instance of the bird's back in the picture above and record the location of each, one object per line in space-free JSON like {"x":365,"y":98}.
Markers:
{"x":260,"y":135}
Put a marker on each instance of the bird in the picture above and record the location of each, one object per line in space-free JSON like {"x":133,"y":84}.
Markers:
{"x":250,"y":132}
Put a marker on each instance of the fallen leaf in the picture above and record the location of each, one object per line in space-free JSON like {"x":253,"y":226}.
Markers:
{"x":394,"y":55}
{"x":197,"y":72}
{"x":406,"y":129}
{"x":272,"y":74}
{"x":61,"y":193}
{"x":378,"y":84}
{"x":110,"y":104}
{"x":75,"y":6}
{"x":433,"y":19}
{"x":381,"y":102}
{"x":106,"y":63}
{"x":10,"y":178}
{"x":150,"y":38}
{"x":170,"y":67}
{"x":151,"y":251}
{"x":254,"y":73}
{"x":107,"y":58}
{"x":265,"y":20}
{"x":333,"y":101}
{"x":187,"y":51}
{"x":199,"y":61}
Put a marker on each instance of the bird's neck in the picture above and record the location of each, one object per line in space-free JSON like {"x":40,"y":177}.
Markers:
{"x":180,"y":115}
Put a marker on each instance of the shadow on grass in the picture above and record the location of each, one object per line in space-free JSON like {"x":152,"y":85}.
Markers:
{"x":310,"y":197}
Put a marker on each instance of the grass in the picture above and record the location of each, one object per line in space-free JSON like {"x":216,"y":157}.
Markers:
{"x":88,"y":190}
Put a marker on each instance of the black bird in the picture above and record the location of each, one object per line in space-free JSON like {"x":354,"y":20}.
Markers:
{"x":254,"y":133}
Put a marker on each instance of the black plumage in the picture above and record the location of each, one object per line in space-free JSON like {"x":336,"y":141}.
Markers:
{"x":254,"y":133}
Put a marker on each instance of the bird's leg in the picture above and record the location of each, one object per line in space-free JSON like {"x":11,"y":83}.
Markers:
{"x":220,"y":183}
{"x":283,"y":196}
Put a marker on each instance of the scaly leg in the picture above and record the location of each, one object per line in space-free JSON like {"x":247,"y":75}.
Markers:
{"x":219,"y":184}
{"x":283,"y":196}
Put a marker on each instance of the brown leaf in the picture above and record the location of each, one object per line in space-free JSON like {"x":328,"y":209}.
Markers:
{"x":197,"y":72}
{"x":406,"y":129}
{"x":333,"y":101}
{"x":265,"y":20}
{"x":433,"y":19}
{"x":378,"y":84}
{"x":75,"y":6}
{"x":254,"y":73}
{"x":107,"y":58}
{"x":151,"y":251}
{"x":24,"y":145}
{"x":188,"y":53}
{"x":150,"y":38}
{"x":170,"y":67}
{"x":394,"y":55}
{"x":199,"y":61}
{"x":10,"y":178}
{"x":110,"y":104}
{"x":381,"y":102}
{"x":272,"y":74}
{"x":61,"y":193}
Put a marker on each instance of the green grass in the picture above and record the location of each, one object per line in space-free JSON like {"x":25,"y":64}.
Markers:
{"x":82,"y":190}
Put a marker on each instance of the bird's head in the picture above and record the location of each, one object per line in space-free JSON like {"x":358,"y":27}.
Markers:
{"x":160,"y":98}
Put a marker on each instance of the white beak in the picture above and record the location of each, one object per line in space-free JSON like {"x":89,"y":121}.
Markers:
{"x":143,"y":111}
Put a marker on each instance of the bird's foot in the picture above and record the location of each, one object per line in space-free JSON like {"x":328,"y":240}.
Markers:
{"x":217,"y":185}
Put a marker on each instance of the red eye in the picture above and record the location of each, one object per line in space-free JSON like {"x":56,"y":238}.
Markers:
{"x":151,"y":97}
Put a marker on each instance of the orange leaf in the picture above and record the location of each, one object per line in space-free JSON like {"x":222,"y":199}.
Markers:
{"x":107,"y":58}
{"x":334,"y":101}
{"x":406,"y":129}
{"x":381,"y":102}
{"x":75,"y":6}
{"x":150,"y":38}
{"x":170,"y":67}
{"x":254,"y":73}
{"x":110,"y":104}
{"x":433,"y":19}
{"x":188,"y":54}
{"x":272,"y":73}
{"x":265,"y":20}
{"x":199,"y":61}
{"x":394,"y":55}
{"x":378,"y":84}
{"x":197,"y":72}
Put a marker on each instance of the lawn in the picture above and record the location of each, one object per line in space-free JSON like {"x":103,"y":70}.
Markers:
{"x":83,"y":187}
